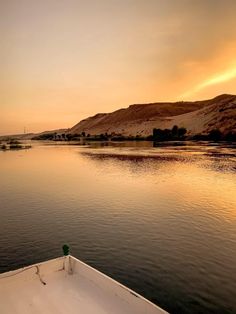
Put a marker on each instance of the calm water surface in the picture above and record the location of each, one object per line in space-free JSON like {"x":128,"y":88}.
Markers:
{"x":161,"y":220}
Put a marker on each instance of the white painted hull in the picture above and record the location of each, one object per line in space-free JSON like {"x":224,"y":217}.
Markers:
{"x":66,"y":285}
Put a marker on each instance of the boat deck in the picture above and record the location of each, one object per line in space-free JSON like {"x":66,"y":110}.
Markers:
{"x":66,"y":285}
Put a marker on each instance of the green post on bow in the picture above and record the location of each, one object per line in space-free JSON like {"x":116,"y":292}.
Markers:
{"x":66,"y":249}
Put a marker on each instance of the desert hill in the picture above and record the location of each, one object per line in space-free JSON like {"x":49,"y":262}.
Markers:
{"x":140,"y":119}
{"x":198,"y":117}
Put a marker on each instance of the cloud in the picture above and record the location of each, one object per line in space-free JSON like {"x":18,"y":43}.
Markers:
{"x":226,"y":76}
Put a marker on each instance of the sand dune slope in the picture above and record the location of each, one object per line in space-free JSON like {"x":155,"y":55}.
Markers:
{"x":196,"y":117}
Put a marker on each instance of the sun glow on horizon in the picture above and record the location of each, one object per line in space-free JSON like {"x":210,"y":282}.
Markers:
{"x":63,"y":61}
{"x":219,"y":78}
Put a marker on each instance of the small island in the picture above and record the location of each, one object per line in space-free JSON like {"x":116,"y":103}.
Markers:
{"x":13,"y":144}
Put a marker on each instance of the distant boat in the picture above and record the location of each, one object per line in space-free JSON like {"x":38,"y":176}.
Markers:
{"x":67,"y":285}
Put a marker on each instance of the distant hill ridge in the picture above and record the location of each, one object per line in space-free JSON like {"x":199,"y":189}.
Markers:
{"x":140,"y":119}
{"x":198,"y":117}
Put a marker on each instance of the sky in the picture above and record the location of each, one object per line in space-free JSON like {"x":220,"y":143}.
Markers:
{"x":64,"y":60}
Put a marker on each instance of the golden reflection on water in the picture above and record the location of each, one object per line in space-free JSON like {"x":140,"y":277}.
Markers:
{"x":164,"y":215}
{"x":141,"y":173}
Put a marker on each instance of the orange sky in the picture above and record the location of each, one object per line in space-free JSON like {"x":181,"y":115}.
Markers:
{"x":64,"y":60}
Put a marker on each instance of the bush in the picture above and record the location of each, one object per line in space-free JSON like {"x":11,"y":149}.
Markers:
{"x":231,"y":137}
{"x":14,"y":142}
{"x":199,"y":137}
{"x":118,"y":138}
{"x":103,"y":137}
{"x":215,"y":135}
{"x":181,"y":132}
{"x":169,"y":135}
{"x":149,"y":138}
{"x":15,"y":146}
{"x":162,"y":135}
{"x":73,"y":137}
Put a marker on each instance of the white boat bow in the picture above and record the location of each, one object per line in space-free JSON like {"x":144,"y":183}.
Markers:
{"x":69,"y":286}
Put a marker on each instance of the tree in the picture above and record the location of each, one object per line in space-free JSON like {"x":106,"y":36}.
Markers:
{"x":162,"y":135}
{"x":175,"y":130}
{"x":157,"y":133}
{"x":230,"y":136}
{"x":215,"y":135}
{"x":181,"y":132}
{"x":169,"y":135}
{"x":103,"y":136}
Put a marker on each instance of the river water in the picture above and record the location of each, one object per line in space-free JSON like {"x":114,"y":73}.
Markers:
{"x":161,"y":220}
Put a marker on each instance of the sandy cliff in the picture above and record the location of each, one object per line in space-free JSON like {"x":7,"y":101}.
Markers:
{"x":196,"y":117}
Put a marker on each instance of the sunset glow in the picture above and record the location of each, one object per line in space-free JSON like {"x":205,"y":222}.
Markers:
{"x":220,"y":78}
{"x":62,"y":61}
{"x":224,"y":77}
